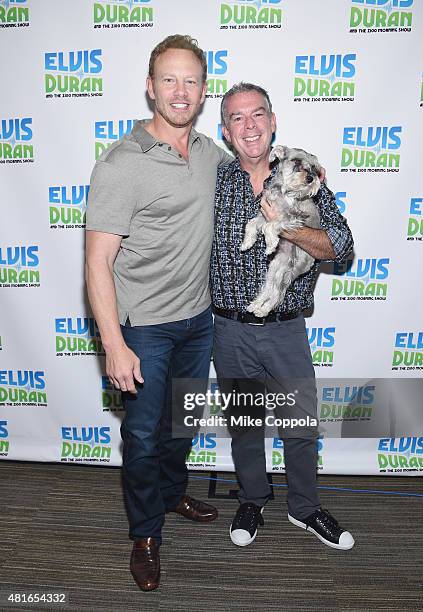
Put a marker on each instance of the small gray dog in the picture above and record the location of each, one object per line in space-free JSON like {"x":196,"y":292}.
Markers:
{"x":290,"y":191}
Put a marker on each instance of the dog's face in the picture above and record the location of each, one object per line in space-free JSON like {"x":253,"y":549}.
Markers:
{"x":298,"y":172}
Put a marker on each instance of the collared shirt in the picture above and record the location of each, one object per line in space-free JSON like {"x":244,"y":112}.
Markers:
{"x":162,"y":206}
{"x":237,"y":277}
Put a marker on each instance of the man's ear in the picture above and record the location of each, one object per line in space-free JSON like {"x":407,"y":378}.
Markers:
{"x":204,"y":91}
{"x":150,"y":88}
{"x":273,"y":122}
{"x":226,"y":134}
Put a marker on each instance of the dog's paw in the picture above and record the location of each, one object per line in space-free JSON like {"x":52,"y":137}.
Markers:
{"x":261,"y":312}
{"x":258,"y":308}
{"x":271,"y":237}
{"x":271,"y":246}
{"x":247,"y":244}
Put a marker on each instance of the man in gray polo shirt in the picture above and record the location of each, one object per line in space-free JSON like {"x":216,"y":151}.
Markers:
{"x":149,"y":236}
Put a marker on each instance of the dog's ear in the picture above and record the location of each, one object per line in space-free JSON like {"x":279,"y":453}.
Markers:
{"x":279,"y":152}
{"x":316,"y":164}
{"x":312,"y":160}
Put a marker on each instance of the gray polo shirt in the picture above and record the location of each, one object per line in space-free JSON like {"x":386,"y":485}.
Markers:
{"x":162,"y":206}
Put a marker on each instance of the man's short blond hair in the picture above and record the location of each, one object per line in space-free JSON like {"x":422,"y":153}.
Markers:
{"x":178,"y":41}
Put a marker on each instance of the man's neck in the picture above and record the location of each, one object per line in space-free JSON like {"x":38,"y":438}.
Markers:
{"x":163,"y":131}
{"x":258,"y":169}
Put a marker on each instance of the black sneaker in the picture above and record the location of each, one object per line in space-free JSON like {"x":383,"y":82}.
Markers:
{"x":326,"y":528}
{"x":244,"y":526}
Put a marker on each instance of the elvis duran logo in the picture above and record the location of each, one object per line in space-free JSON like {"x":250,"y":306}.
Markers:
{"x":215,"y":406}
{"x":322,"y":342}
{"x":69,"y":74}
{"x":86,"y":444}
{"x":325,"y":78}
{"x":408,"y":351}
{"x":77,"y":336}
{"x":123,"y":14}
{"x":14,"y":14}
{"x":202,"y":453}
{"x":365,"y":279}
{"x":217,"y":66}
{"x":278,"y":461}
{"x":19,"y":266}
{"x":67,"y":206}
{"x":400,"y":454}
{"x":340,"y":201}
{"x":16,"y":141}
{"x":111,"y":397}
{"x":22,"y":388}
{"x":108,"y":131}
{"x":371,"y":149}
{"x":4,"y":442}
{"x":415,"y":221}
{"x":346,"y":403}
{"x":368,"y":16}
{"x":250,"y":14}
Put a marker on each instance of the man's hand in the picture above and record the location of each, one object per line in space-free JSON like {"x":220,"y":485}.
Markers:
{"x":269,"y":212}
{"x":123,"y":368}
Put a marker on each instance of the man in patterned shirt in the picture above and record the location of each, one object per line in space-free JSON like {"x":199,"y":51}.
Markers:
{"x":252,"y":353}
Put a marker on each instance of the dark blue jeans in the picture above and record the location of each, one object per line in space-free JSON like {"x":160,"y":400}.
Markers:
{"x":154,"y":473}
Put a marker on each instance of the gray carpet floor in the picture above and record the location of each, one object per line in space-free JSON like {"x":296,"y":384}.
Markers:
{"x":64,"y":528}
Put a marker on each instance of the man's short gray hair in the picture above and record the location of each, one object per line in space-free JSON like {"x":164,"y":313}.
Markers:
{"x":242,"y":88}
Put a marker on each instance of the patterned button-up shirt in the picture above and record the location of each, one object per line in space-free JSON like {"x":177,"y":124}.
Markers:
{"x":237,"y":277}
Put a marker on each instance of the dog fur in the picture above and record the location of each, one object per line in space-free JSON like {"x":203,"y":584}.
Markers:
{"x":290,"y":191}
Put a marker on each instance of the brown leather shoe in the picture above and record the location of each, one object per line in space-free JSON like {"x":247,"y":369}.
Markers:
{"x":196,"y":510}
{"x":145,"y":564}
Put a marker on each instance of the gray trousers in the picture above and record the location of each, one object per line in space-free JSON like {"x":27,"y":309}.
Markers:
{"x":267,"y":356}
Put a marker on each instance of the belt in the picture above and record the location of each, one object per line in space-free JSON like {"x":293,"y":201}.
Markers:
{"x":248,"y":317}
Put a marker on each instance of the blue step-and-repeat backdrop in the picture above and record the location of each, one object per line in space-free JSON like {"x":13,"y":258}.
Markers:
{"x":345,"y":79}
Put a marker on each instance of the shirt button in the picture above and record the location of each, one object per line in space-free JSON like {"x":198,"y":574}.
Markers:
{"x":160,"y":144}
{"x":180,"y":155}
{"x":169,"y":148}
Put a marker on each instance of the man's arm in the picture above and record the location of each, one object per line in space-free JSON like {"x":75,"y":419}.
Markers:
{"x":224,"y":158}
{"x":333,"y":242}
{"x":334,"y":224}
{"x":122,"y":365}
{"x":314,"y":241}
